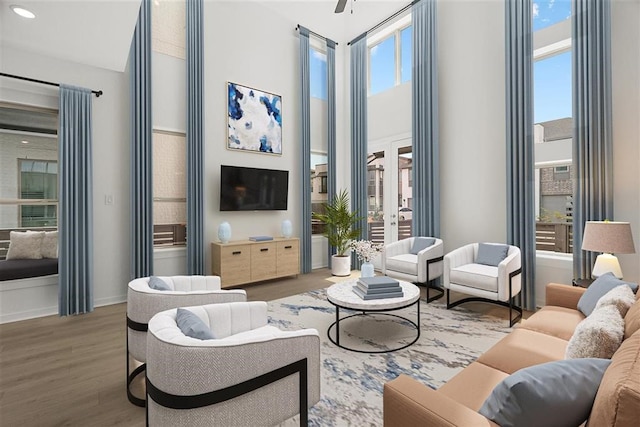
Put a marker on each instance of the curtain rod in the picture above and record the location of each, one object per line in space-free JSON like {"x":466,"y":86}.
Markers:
{"x":375,"y":27}
{"x":316,"y":34}
{"x":12,"y":76}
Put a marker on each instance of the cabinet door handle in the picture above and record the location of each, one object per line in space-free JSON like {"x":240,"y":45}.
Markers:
{"x":287,"y":247}
{"x":236,"y":252}
{"x":264,"y":249}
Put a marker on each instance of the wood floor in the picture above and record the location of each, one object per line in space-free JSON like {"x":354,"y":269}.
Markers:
{"x":70,"y":371}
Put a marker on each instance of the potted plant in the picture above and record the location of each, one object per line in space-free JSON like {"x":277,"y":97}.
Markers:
{"x":339,"y":230}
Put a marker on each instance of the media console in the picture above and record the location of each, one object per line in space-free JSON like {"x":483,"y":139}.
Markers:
{"x":245,"y":261}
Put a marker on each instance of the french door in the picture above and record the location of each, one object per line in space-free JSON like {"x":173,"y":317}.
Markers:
{"x":389,"y":191}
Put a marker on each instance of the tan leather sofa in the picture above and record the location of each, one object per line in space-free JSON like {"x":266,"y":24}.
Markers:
{"x":541,"y":338}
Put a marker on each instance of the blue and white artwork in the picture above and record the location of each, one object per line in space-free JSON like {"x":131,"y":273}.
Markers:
{"x":254,"y":120}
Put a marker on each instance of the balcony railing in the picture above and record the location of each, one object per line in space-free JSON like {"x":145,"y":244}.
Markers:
{"x":169,"y":235}
{"x":554,"y":237}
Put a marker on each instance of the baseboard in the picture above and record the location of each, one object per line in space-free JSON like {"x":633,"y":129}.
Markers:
{"x":28,"y":314}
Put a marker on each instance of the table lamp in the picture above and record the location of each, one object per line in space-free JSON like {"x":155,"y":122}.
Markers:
{"x":607,"y":237}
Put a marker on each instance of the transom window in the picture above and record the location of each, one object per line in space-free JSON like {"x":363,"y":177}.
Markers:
{"x":390,"y":56}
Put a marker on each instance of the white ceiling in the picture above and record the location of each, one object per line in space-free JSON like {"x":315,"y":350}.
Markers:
{"x":92,"y":32}
{"x":99,"y":32}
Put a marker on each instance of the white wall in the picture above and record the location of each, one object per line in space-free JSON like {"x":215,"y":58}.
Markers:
{"x":111,"y":174}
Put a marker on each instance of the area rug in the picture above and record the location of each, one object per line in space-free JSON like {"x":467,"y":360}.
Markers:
{"x":352,"y":383}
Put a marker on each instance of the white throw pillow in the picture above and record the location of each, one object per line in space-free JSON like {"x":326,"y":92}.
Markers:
{"x":50,"y":244}
{"x":599,"y":335}
{"x":621,"y":297}
{"x":25,"y":245}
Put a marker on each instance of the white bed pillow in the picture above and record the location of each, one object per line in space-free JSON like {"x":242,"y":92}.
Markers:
{"x":25,"y":245}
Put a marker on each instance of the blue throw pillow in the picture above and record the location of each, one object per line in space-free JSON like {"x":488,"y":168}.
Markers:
{"x":192,"y":326}
{"x":598,"y":289}
{"x":491,"y":254}
{"x":158,"y":284}
{"x":550,"y":394}
{"x":420,"y":243}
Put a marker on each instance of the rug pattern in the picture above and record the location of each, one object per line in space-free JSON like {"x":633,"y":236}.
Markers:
{"x":352,"y":383}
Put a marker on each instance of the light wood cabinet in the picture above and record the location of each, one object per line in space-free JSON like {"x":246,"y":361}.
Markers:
{"x":245,"y":261}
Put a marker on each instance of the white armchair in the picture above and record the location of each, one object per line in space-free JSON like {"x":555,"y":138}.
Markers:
{"x":420,"y":267}
{"x":497,"y":284}
{"x":143,"y":302}
{"x":251,"y":374}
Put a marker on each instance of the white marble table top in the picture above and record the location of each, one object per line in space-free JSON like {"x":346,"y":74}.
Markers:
{"x":342,"y":294}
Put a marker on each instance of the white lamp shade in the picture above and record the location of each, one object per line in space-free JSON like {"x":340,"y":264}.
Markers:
{"x":606,"y":263}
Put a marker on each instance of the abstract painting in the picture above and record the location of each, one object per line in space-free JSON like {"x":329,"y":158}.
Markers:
{"x":254,"y":120}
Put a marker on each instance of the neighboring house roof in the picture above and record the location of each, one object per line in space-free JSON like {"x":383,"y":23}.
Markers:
{"x":555,"y":130}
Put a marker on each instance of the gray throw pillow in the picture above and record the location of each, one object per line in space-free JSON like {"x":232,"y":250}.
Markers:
{"x":158,"y":284}
{"x":491,"y":254}
{"x":557,"y":393}
{"x":420,"y":243}
{"x":598,"y":289}
{"x":192,"y":326}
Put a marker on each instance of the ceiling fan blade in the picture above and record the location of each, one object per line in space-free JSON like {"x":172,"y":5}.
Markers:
{"x":340,"y":6}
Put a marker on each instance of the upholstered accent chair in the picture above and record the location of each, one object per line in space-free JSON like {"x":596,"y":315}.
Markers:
{"x":417,"y":260}
{"x":490,"y":272}
{"x":249,"y":374}
{"x":143,"y":302}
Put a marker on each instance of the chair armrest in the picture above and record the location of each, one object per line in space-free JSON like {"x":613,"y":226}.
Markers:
{"x":406,"y":402}
{"x":456,"y":258}
{"x":563,"y":295}
{"x":435,"y":270}
{"x":509,"y":265}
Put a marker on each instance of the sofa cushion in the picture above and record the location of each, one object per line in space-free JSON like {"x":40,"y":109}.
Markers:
{"x":558,"y":393}
{"x":599,"y":335}
{"x":621,"y":297}
{"x":477,"y":276}
{"x":491,"y":253}
{"x":49,"y":246}
{"x":598,"y":289}
{"x":556,"y":321}
{"x":405,"y":263}
{"x":632,"y":319}
{"x":523,"y":348}
{"x":158,"y":284}
{"x":473,"y":385}
{"x":617,"y":402}
{"x":25,"y":245}
{"x":421,"y":243}
{"x":192,"y":326}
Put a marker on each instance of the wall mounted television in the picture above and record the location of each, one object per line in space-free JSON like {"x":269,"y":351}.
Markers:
{"x":253,"y":189}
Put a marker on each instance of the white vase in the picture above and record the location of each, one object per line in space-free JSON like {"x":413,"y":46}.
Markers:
{"x":340,"y":265}
{"x":287,"y":229}
{"x":224,"y":232}
{"x":366,"y":270}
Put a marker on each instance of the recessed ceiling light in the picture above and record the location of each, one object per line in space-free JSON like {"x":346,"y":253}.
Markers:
{"x":24,"y":141}
{"x":22,"y":11}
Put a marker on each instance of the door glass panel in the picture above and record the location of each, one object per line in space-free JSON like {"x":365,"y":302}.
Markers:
{"x":405,"y":192}
{"x":375,"y":197}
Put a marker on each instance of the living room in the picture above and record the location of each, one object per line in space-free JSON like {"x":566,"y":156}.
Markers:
{"x":471,"y":111}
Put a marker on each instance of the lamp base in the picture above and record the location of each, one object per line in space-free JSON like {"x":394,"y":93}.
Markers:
{"x":606,"y":263}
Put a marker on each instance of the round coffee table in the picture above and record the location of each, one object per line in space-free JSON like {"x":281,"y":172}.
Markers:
{"x":341,"y":295}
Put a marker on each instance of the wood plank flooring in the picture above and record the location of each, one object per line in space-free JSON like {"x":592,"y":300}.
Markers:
{"x":70,"y":371}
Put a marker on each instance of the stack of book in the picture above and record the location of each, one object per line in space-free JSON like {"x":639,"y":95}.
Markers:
{"x":377,"y":288}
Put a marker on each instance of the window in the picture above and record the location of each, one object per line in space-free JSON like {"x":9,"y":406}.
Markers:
{"x":318,"y":188}
{"x":38,"y":181}
{"x":317,"y":73}
{"x":28,"y":170}
{"x":390,"y":56}
{"x":169,"y":189}
{"x":553,"y":128}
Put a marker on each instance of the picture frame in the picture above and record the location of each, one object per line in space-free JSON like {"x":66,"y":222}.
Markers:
{"x":254,"y":120}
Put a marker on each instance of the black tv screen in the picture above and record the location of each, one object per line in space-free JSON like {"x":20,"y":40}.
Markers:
{"x":253,"y":189}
